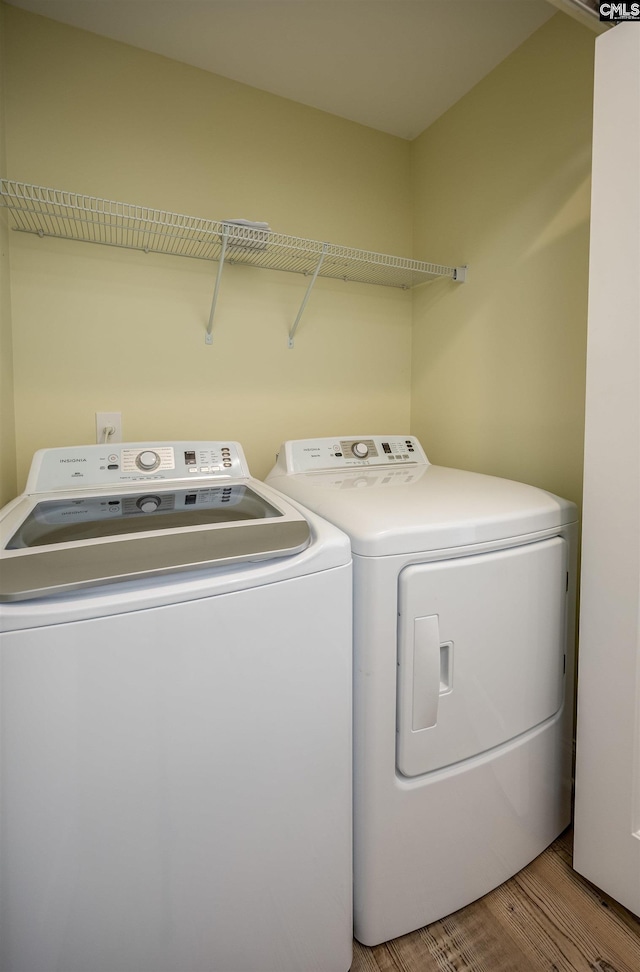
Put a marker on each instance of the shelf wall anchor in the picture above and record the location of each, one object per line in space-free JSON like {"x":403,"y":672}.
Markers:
{"x":307,"y":295}
{"x":225,"y":236}
{"x":460,"y":274}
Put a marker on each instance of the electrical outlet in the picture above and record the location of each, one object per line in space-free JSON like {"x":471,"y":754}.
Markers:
{"x":106,"y":421}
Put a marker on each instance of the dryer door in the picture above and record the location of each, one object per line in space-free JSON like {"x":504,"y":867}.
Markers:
{"x":481,"y":652}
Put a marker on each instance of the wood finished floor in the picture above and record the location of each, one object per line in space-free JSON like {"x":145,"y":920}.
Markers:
{"x":545,"y":919}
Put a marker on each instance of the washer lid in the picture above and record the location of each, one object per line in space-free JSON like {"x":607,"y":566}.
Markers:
{"x":63,"y":541}
{"x":69,"y":517}
{"x":45,"y":572}
{"x":410,"y":509}
{"x":109,"y":513}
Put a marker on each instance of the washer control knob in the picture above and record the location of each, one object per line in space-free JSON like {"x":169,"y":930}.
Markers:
{"x":360,"y":450}
{"x":147,"y":460}
{"x":148,"y":504}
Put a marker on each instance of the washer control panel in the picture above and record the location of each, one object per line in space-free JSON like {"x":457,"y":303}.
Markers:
{"x":130,"y":462}
{"x":306,"y":455}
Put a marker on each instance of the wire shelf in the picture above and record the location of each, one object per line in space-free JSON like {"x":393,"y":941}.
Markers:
{"x":69,"y":215}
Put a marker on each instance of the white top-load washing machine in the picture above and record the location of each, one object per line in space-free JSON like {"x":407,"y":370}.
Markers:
{"x":175,"y":710}
{"x":463,"y":661}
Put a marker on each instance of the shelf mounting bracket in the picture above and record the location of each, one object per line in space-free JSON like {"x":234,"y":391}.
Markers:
{"x":225,"y":237}
{"x":307,"y":295}
{"x":460,"y":274}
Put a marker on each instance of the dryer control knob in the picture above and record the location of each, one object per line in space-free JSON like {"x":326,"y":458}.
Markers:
{"x":148,"y":504}
{"x":360,"y":450}
{"x":147,"y":460}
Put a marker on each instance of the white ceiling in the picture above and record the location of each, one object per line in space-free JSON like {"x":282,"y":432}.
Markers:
{"x":395,"y":65}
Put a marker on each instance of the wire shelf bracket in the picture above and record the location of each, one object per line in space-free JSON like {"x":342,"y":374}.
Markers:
{"x":307,"y":295}
{"x":48,"y":212}
{"x":223,"y":249}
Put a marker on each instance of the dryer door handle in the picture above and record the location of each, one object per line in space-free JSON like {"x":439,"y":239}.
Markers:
{"x":426,"y":672}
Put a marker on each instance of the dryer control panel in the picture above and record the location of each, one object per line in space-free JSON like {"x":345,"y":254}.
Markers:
{"x":307,"y":455}
{"x":129,"y":462}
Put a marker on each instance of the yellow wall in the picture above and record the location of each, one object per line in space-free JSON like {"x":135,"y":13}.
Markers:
{"x":7,"y":425}
{"x":502,"y":183}
{"x":96,"y":328}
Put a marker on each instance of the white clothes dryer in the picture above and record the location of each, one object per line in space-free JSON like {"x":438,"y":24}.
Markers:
{"x":464,"y":602}
{"x":175,"y":670}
